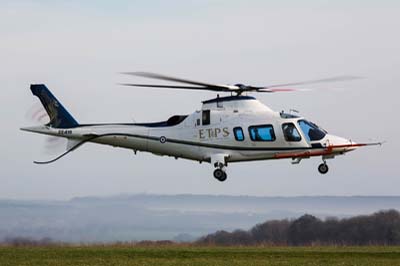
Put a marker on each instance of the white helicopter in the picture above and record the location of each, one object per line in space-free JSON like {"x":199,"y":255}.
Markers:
{"x":227,"y":129}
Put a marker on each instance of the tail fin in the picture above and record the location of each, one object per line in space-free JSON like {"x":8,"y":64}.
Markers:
{"x":59,"y":116}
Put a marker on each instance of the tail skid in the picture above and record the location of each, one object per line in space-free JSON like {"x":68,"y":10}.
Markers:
{"x":74,"y":144}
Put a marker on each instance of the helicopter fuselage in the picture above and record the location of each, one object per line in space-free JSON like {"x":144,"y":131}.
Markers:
{"x":224,"y":128}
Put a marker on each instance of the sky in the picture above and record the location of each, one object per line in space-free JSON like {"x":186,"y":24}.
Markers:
{"x":77,"y":48}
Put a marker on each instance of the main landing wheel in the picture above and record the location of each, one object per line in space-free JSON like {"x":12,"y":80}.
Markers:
{"x":323,"y":168}
{"x":220,"y":175}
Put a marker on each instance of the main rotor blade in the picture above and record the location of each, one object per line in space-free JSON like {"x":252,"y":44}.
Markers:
{"x":239,"y":89}
{"x":176,"y":87}
{"x":308,"y":82}
{"x":280,"y":90}
{"x":174,"y":79}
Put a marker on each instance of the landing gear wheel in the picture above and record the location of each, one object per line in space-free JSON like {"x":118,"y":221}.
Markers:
{"x":224,"y":177}
{"x":323,"y":168}
{"x":220,"y":175}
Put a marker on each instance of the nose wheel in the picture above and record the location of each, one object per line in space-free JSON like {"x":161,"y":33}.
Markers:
{"x":220,"y":175}
{"x":219,"y":162}
{"x":323,"y":168}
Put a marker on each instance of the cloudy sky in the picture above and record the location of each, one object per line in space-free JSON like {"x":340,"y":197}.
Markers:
{"x":78,"y":48}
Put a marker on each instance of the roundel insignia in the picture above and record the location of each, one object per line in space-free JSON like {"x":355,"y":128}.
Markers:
{"x":163,"y":139}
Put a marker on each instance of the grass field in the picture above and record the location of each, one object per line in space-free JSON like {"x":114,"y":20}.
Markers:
{"x":178,"y":255}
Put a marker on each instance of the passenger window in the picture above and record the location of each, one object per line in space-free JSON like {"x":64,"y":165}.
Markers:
{"x":205,"y":117}
{"x":262,"y":133}
{"x":238,"y":132}
{"x":290,"y":132}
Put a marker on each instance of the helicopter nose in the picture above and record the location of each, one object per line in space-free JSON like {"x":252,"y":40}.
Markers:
{"x":337,"y":141}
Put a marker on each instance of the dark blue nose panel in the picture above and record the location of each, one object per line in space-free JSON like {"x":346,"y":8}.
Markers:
{"x":59,"y":116}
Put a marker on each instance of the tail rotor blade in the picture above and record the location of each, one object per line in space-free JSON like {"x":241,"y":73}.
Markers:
{"x":54,"y":145}
{"x":37,"y":114}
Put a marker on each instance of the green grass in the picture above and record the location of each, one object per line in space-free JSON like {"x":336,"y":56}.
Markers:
{"x":184,"y":255}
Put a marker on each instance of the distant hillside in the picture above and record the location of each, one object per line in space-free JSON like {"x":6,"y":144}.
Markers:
{"x":225,"y":203}
{"x":156,"y":217}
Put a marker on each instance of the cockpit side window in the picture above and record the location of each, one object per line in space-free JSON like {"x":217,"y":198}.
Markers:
{"x":238,"y":133}
{"x":290,"y":132}
{"x":311,"y":131}
{"x":262,"y":133}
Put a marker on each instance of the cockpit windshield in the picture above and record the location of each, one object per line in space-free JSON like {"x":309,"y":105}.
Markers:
{"x":311,"y":130}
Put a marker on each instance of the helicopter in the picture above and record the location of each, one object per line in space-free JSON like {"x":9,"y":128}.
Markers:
{"x":227,"y":129}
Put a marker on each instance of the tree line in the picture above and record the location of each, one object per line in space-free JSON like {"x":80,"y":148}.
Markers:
{"x":380,"y":228}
